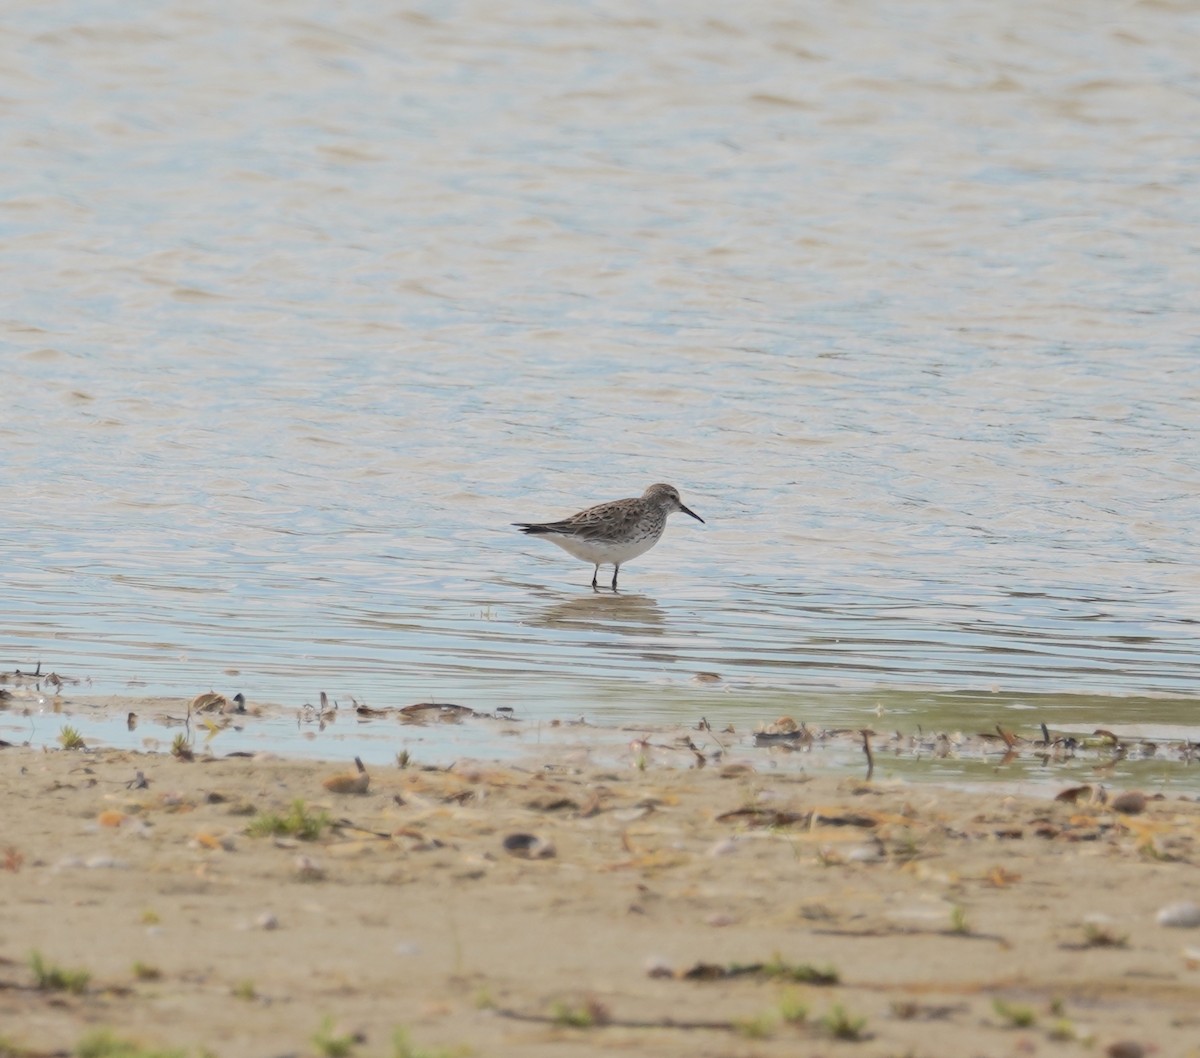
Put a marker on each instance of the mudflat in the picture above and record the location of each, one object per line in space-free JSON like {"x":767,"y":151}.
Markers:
{"x":647,"y":903}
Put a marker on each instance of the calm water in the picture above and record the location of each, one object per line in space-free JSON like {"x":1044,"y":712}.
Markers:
{"x":303,"y":304}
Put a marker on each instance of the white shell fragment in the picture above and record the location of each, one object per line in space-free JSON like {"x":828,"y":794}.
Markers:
{"x":1184,"y":915}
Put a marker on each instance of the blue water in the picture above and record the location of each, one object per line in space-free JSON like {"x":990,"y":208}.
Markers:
{"x":299,"y":320}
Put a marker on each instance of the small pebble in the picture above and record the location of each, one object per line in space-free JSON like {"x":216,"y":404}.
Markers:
{"x":1184,"y":915}
{"x":1131,"y":803}
{"x":104,"y":862}
{"x":657,"y":966}
{"x":529,"y":847}
{"x":266,"y":920}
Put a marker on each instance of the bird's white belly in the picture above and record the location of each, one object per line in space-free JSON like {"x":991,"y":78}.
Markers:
{"x":601,"y":553}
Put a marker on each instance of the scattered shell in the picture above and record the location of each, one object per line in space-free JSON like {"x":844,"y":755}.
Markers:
{"x":266,"y":920}
{"x":724,"y":847}
{"x":529,"y":847}
{"x":350,"y":783}
{"x":102,"y":862}
{"x":632,"y":815}
{"x":1184,"y":915}
{"x":871,"y":852}
{"x":111,"y":818}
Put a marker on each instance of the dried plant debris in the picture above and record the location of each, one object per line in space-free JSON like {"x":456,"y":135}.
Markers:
{"x":773,"y":969}
{"x":445,"y":711}
{"x":38,"y":680}
{"x":1001,"y":746}
{"x":756,"y":816}
{"x":355,"y":782}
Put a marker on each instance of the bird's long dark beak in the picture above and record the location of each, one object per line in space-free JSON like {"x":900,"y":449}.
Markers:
{"x":692,"y":513}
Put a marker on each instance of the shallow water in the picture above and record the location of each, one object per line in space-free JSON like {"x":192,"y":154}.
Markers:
{"x":305,"y":305}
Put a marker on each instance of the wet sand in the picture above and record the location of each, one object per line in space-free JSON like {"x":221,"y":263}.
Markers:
{"x":652,"y":901}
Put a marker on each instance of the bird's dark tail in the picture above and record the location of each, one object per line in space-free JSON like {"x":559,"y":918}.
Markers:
{"x":532,"y":529}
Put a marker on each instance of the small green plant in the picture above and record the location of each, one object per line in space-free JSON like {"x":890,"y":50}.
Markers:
{"x":150,"y":917}
{"x":245,"y":990}
{"x":329,"y":1044}
{"x":103,"y":1044}
{"x":484,"y":1000}
{"x":297,"y":822}
{"x":49,"y":978}
{"x":402,"y":1048}
{"x":585,"y":1016}
{"x":759,"y":1027}
{"x":958,"y":920}
{"x":778,"y":969}
{"x":10,"y":1049}
{"x":842,"y":1025}
{"x":145,"y":972}
{"x":1015,"y":1017}
{"x":1061,"y":1031}
{"x":180,"y":747}
{"x":403,"y":759}
{"x":572,"y":1017}
{"x":70,"y":738}
{"x":793,"y":1010}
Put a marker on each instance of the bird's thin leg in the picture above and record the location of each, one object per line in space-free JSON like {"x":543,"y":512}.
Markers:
{"x":616,"y":570}
{"x":595,"y":574}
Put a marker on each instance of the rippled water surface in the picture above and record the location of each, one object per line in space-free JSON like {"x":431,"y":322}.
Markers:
{"x":304,"y":304}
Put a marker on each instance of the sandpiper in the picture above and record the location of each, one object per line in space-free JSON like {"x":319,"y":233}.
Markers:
{"x":613,"y":532}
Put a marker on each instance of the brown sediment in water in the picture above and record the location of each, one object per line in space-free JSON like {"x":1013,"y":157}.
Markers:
{"x":586,"y":903}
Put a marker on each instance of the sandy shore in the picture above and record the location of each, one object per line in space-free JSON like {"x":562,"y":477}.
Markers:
{"x":571,"y":906}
